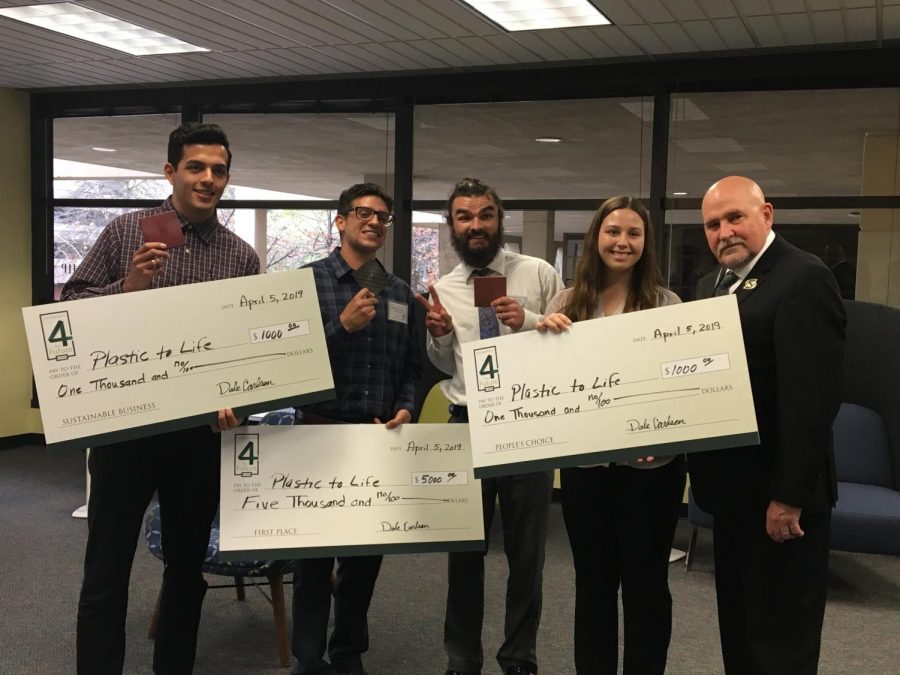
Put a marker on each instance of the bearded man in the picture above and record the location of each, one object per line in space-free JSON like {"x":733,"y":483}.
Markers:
{"x":475,"y":218}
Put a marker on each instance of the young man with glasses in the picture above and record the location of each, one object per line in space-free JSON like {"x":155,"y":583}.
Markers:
{"x":374,"y":350}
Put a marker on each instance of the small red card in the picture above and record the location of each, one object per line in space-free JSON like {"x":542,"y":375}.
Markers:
{"x":163,"y":227}
{"x":488,"y":289}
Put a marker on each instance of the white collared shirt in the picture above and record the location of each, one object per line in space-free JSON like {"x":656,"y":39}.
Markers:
{"x":532,"y":282}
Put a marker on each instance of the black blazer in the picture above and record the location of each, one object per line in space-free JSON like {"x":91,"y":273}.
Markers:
{"x":793,"y":322}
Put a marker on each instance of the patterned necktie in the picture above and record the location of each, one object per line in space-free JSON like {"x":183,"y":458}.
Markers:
{"x":488,"y":326}
{"x":722,"y":288}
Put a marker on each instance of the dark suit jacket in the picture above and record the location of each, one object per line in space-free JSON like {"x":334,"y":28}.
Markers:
{"x":793,"y":321}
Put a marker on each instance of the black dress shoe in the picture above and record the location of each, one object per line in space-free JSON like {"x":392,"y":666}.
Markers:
{"x":518,"y":670}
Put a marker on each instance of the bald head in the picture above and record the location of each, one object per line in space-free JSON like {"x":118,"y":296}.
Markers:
{"x":736,"y":220}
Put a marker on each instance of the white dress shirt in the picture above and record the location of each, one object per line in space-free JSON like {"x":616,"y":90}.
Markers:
{"x":532,"y":282}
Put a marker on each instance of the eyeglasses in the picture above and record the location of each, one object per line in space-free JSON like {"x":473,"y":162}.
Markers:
{"x":364,"y":214}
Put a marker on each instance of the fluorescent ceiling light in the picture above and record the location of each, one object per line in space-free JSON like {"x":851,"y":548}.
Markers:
{"x":548,"y":139}
{"x":86,"y":24}
{"x":679,"y":194}
{"x":516,"y":15}
{"x":97,"y":148}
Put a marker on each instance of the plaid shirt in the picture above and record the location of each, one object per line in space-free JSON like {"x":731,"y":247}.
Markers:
{"x":376,"y":369}
{"x":210,"y":252}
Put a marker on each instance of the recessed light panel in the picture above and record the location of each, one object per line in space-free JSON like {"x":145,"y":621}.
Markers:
{"x":86,"y":24}
{"x":516,"y":15}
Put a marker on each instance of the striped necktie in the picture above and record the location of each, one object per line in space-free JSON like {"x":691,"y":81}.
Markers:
{"x":724,"y":285}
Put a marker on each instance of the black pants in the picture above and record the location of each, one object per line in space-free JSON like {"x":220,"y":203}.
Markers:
{"x":771,"y":597}
{"x":353,"y":587}
{"x":524,"y":509}
{"x":621,"y":521}
{"x":183,"y":467}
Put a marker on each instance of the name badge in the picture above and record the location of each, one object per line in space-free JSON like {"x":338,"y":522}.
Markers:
{"x":398,"y":311}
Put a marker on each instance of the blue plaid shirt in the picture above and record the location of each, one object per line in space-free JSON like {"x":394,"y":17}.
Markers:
{"x":376,"y":369}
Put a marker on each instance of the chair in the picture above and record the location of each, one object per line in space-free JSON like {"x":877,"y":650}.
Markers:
{"x":434,"y":408}
{"x":867,"y":434}
{"x":272,"y":570}
{"x":866,"y":518}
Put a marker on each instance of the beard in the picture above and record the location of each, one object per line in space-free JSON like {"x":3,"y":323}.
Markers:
{"x":477,"y":257}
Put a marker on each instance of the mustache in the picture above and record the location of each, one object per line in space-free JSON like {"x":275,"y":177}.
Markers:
{"x":731,"y":241}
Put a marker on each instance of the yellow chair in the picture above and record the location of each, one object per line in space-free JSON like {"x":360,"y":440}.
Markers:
{"x":434,"y":407}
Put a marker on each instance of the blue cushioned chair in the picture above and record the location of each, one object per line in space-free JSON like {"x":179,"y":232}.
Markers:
{"x":867,"y":434}
{"x":272,"y":570}
{"x":866,"y":518}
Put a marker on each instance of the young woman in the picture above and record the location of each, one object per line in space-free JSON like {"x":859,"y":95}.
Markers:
{"x":620,"y":517}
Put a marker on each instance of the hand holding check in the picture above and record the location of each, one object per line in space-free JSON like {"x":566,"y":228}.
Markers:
{"x":146,"y":263}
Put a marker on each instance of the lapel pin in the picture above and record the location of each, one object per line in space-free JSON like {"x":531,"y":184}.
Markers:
{"x":749,"y":285}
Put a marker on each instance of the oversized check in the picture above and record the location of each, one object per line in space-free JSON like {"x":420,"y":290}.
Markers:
{"x":132,"y":364}
{"x":657,"y":382}
{"x":347,"y":489}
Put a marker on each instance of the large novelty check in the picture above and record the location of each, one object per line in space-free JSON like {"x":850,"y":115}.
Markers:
{"x":656,"y":382}
{"x":127,"y":365}
{"x":347,"y":489}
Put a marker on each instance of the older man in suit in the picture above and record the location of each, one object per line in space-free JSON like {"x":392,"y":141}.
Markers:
{"x":772,"y":502}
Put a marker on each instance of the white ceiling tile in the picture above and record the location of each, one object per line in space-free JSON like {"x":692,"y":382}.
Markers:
{"x":325,"y":25}
{"x":534,"y":42}
{"x":684,"y":10}
{"x":461,"y":19}
{"x":734,"y":34}
{"x":675,"y":37}
{"x":354,"y":55}
{"x":647,"y":39}
{"x":388,"y":19}
{"x":266,"y":38}
{"x":274,"y":16}
{"x":797,"y":29}
{"x":823,"y":5}
{"x":565,"y":44}
{"x":620,"y":12}
{"x":487,"y":52}
{"x":385,"y":53}
{"x":447,"y":51}
{"x":618,"y":41}
{"x":590,"y":42}
{"x":275,"y":63}
{"x":828,"y":26}
{"x":651,"y":11}
{"x":463,"y":52}
{"x":412,"y":51}
{"x":332,"y":62}
{"x":508,"y":44}
{"x":860,"y":24}
{"x":753,"y":7}
{"x":259,"y":66}
{"x":766,"y":31}
{"x":789,"y":6}
{"x":704,"y":35}
{"x":718,"y":9}
{"x":437,"y":22}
